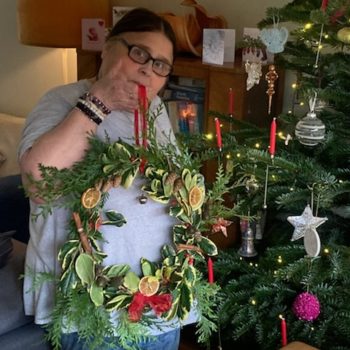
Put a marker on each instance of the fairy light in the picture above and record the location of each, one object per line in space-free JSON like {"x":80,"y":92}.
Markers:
{"x":250,"y":264}
{"x":257,"y":145}
{"x":209,"y":136}
{"x":281,"y":136}
{"x":301,"y":103}
{"x":294,"y":85}
{"x":238,"y":155}
{"x":228,"y":156}
{"x":275,"y":272}
{"x":256,"y":265}
{"x":326,"y":250}
{"x":308,"y":26}
{"x":291,"y":189}
{"x":253,"y":302}
{"x":279,"y":260}
{"x":273,"y":176}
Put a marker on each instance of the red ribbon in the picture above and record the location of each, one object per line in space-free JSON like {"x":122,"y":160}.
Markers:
{"x":159,"y":303}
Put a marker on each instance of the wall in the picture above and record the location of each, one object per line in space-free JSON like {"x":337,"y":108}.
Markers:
{"x":27,"y":72}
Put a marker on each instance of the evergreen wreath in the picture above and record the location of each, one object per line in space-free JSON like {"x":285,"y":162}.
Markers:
{"x":87,"y":292}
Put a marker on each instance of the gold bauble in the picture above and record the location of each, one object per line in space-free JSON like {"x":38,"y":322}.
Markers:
{"x":344,"y":35}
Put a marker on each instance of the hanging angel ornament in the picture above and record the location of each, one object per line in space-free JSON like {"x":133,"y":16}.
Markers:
{"x":254,"y":71}
{"x":305,"y":226}
{"x":274,"y":38}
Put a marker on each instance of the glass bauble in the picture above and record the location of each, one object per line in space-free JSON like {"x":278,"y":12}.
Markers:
{"x":310,"y":130}
{"x":344,"y":35}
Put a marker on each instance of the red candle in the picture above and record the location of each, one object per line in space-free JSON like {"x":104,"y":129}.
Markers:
{"x":230,"y":95}
{"x":136,"y":126}
{"x":324,"y":5}
{"x":284,"y":332}
{"x":272,"y":147}
{"x":143,"y":108}
{"x":218,"y":133}
{"x":210,"y":271}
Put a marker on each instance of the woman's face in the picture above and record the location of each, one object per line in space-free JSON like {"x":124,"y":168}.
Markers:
{"x":115,"y":58}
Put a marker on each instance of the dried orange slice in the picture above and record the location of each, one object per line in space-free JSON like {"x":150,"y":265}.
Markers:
{"x":90,"y":197}
{"x":148,"y":285}
{"x":196,"y":197}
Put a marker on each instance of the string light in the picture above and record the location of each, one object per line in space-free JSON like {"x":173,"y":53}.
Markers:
{"x":326,"y":250}
{"x":294,"y":85}
{"x":253,"y":301}
{"x":308,"y":26}
{"x":257,"y":145}
{"x":279,"y":260}
{"x":228,"y":156}
{"x":238,"y":155}
{"x":209,"y":136}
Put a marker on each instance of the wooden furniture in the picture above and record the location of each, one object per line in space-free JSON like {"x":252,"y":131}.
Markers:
{"x":249,"y":105}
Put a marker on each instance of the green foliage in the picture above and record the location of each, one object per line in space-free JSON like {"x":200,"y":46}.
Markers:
{"x":255,"y":293}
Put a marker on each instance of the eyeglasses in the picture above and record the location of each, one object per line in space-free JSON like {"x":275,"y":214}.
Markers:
{"x":141,"y":56}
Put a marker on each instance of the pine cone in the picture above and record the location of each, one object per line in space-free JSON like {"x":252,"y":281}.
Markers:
{"x":117,"y":180}
{"x":178,"y":184}
{"x":170,"y":178}
{"x":107,"y":186}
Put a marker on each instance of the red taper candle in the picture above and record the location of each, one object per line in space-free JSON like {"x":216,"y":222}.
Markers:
{"x":210,"y":271}
{"x":324,"y":5}
{"x":218,"y":133}
{"x":272,"y":148}
{"x":136,"y":127}
{"x":284,"y":332}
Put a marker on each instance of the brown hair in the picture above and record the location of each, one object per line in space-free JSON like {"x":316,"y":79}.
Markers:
{"x":143,"y":20}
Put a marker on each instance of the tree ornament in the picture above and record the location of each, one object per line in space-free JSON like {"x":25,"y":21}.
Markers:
{"x":254,"y":70}
{"x":305,"y":223}
{"x":343,"y":35}
{"x":306,"y":307}
{"x":310,"y":130}
{"x":247,"y":249}
{"x":274,"y":38}
{"x":271,"y":77}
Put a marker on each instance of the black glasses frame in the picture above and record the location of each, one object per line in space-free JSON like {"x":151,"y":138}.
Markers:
{"x":149,"y":58}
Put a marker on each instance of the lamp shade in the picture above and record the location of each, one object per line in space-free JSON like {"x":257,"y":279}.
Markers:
{"x":57,"y":23}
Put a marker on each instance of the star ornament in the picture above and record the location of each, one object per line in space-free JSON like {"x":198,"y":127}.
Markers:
{"x":305,"y":224}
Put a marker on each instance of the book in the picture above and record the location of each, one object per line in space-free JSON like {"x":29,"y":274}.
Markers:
{"x":179,"y":92}
{"x":185,"y":117}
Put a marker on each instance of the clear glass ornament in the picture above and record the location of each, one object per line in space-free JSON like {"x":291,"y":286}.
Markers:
{"x":310,"y":130}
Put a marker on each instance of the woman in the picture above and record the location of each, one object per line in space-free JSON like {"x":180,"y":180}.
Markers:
{"x":138,"y":52}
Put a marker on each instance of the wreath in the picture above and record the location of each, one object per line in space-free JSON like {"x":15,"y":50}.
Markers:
{"x":88,"y":292}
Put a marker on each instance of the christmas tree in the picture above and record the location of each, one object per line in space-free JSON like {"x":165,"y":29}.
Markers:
{"x":292,"y":194}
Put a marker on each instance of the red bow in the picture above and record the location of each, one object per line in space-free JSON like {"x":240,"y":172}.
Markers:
{"x":159,"y":304}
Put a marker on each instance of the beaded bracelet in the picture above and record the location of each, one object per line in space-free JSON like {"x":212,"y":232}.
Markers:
{"x":97,"y":102}
{"x":89,"y":112}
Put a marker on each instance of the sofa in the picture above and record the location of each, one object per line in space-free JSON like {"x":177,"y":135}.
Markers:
{"x":17,"y":331}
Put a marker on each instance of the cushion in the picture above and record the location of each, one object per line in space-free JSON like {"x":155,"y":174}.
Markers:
{"x":5,"y":247}
{"x":14,"y":207}
{"x":10,"y":134}
{"x":2,"y":158}
{"x":11,"y":291}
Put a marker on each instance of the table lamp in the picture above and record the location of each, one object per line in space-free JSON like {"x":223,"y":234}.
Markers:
{"x":57,"y":23}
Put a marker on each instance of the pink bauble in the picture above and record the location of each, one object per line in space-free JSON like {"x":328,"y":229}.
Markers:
{"x":306,"y":307}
